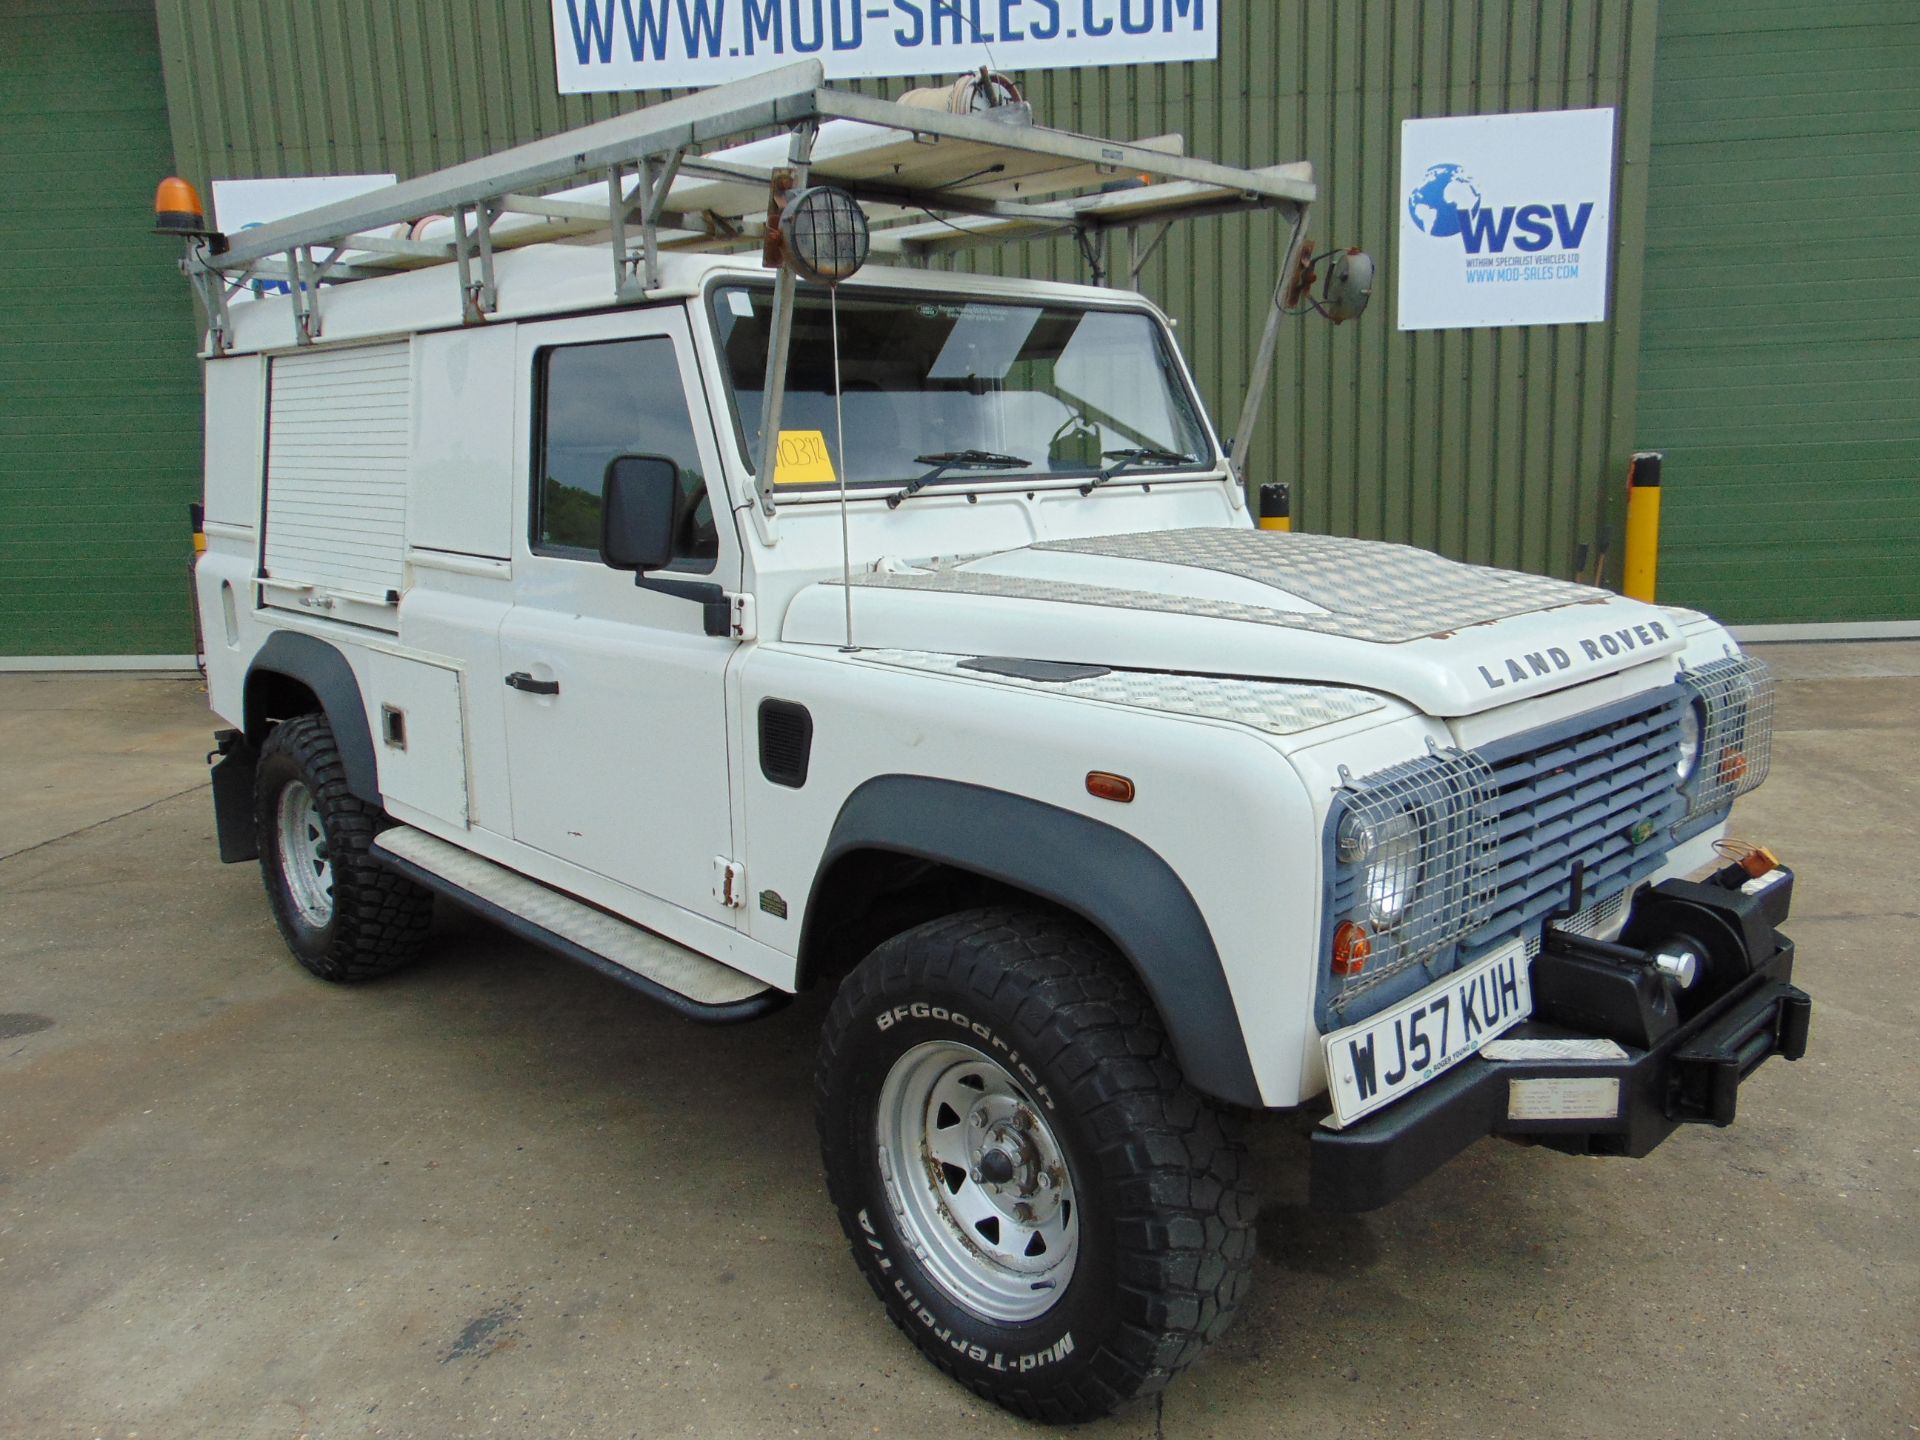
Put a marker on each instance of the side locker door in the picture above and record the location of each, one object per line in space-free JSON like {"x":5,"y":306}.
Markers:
{"x":460,"y":550}
{"x":615,"y":704}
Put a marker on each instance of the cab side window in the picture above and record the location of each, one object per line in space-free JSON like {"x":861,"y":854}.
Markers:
{"x":599,"y":401}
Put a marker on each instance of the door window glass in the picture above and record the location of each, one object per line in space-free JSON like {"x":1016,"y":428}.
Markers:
{"x":600,"y":401}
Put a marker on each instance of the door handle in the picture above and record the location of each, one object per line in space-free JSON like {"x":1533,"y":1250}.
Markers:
{"x":521,"y":680}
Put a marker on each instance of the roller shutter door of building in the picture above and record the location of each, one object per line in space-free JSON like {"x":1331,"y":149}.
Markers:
{"x":100,"y":422}
{"x":1780,"y":364}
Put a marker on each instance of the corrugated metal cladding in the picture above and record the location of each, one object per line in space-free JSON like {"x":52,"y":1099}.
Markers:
{"x":1780,"y":369}
{"x":100,"y":426}
{"x":1505,"y":446}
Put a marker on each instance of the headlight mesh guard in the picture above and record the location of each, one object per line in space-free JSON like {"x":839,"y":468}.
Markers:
{"x":1452,"y":797}
{"x":1736,"y":743}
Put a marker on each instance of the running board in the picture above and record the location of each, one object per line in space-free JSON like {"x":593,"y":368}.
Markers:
{"x":677,"y":977}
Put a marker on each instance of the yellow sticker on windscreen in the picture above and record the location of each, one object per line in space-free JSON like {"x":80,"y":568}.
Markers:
{"x":803,"y":459}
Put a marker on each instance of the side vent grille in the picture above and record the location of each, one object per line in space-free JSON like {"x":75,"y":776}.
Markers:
{"x":786,"y":742}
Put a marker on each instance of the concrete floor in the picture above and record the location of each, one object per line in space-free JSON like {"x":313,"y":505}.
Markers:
{"x":498,"y":1195}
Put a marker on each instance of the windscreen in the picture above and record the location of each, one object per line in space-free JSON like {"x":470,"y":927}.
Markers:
{"x":1057,"y":386}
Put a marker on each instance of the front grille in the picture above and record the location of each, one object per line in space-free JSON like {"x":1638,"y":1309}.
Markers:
{"x":1581,"y":790}
{"x":1599,"y":788}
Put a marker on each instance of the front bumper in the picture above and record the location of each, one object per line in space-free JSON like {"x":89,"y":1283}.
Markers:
{"x":1685,"y":1071}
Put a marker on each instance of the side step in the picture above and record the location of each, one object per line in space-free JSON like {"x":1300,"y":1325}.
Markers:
{"x":677,"y":977}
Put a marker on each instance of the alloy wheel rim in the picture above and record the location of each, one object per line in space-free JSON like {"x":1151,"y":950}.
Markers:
{"x":978,"y":1182}
{"x":306,"y":863}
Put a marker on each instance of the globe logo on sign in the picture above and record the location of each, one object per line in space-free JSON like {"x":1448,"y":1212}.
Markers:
{"x":1442,"y":197}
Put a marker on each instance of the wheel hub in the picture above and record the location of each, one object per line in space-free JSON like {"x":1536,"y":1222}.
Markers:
{"x":1020,"y":1171}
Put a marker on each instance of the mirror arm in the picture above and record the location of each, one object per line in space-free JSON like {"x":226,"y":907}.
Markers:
{"x":717,"y":618}
{"x":1263,"y":358}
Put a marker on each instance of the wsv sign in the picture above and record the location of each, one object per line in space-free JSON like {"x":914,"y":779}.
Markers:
{"x":1447,"y":203}
{"x":1487,"y":230}
{"x":1467,"y":257}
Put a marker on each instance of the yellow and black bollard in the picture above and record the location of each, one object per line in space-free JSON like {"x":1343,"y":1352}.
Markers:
{"x":1276,"y":507}
{"x":1643,"y":526}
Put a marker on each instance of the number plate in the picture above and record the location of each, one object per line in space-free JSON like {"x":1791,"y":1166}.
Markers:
{"x":1387,"y":1055}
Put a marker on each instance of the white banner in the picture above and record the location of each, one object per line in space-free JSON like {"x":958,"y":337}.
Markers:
{"x":660,"y":44}
{"x":1505,"y":219}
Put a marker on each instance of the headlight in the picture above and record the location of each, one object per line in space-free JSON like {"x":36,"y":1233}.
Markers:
{"x":1390,"y":850}
{"x":1690,"y":729}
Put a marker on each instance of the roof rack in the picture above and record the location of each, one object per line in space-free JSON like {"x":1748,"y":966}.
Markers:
{"x":1009,"y":177}
{"x":931,"y":181}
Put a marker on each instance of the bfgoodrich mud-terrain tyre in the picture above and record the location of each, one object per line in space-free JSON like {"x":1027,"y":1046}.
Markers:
{"x":345,"y":917}
{"x":1031,"y":1188}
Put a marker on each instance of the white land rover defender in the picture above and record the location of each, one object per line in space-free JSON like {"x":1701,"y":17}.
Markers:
{"x":571,"y":556}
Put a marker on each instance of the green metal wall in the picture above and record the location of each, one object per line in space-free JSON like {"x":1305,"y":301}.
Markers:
{"x":1781,"y":362}
{"x":100,"y":423}
{"x":1502,"y":446}
{"x":1494,"y":445}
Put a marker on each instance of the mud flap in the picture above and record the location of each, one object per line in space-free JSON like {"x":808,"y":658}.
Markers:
{"x":233,"y":797}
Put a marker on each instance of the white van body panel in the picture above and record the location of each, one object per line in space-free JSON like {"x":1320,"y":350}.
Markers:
{"x":463,"y":460}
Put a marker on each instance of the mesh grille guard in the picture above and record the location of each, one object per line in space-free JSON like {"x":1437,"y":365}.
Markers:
{"x":1446,"y":804}
{"x":1736,"y":741}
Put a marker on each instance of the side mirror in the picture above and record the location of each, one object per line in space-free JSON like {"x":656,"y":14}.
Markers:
{"x":1348,"y":286}
{"x":640,"y":501}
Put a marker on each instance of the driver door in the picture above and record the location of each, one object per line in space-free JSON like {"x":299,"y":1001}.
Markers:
{"x":616,"y":723}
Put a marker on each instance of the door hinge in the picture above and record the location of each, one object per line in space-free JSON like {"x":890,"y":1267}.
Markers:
{"x":729,"y":882}
{"x":740,"y":618}
{"x":725,"y":613}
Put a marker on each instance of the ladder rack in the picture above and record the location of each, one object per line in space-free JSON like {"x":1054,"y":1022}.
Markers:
{"x":654,"y":185}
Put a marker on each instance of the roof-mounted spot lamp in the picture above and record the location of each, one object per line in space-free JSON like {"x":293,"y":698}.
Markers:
{"x":826,"y":234}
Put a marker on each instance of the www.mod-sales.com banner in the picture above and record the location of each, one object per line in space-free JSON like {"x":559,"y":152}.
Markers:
{"x":659,"y":44}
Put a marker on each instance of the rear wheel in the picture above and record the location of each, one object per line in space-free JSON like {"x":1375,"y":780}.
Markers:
{"x":1031,"y":1188}
{"x":344,"y":916}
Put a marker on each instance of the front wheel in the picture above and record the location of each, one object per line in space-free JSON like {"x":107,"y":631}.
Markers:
{"x":1030,"y":1186}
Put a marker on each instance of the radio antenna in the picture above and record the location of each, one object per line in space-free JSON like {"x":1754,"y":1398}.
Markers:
{"x":840,"y":464}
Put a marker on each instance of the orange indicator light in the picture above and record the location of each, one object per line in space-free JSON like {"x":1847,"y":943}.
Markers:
{"x":1351,"y":948}
{"x":1105,"y":785}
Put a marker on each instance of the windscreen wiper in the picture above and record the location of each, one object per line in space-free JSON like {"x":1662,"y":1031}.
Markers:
{"x":1133,"y":459}
{"x":955,"y":460}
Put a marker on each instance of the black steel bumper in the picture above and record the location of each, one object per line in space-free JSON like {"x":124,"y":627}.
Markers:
{"x":1683,"y":1068}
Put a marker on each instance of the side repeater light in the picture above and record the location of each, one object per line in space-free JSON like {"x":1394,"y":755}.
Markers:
{"x":1105,"y":785}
